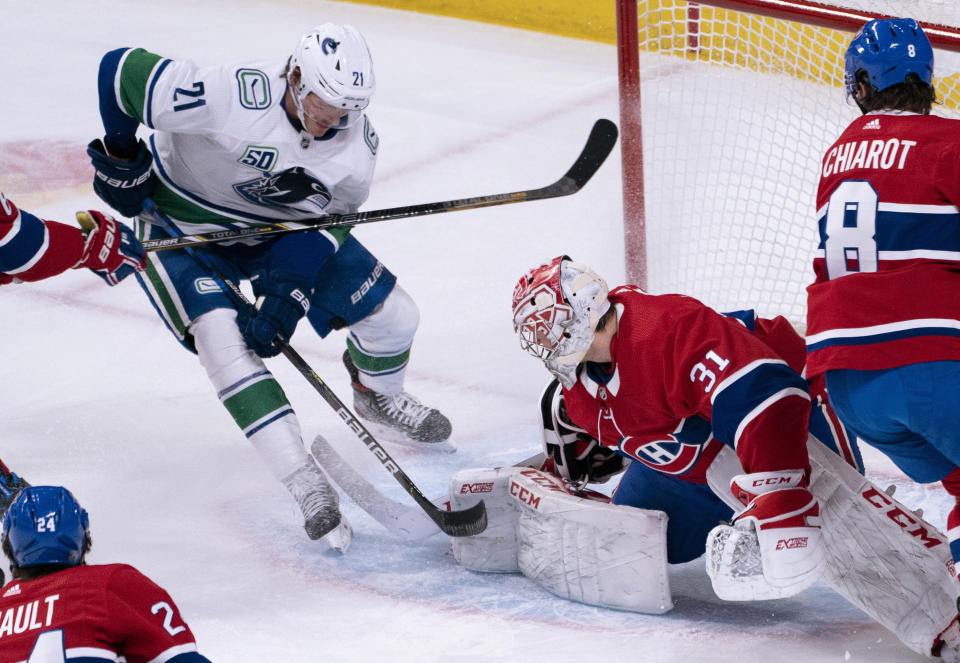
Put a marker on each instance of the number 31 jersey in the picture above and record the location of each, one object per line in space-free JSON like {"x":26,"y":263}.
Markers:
{"x":92,"y":614}
{"x":887,"y":289}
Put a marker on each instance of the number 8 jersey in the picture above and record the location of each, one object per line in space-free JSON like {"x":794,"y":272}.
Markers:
{"x":91,"y":614}
{"x":887,"y":289}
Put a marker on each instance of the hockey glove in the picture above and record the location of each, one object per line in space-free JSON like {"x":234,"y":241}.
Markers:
{"x":122,"y":184}
{"x":112,"y":251}
{"x":10,"y":485}
{"x":276,"y":314}
{"x":575,"y":455}
{"x":781,"y":524}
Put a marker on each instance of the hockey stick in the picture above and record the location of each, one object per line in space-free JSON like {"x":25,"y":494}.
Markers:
{"x":600,"y":143}
{"x":403,"y":521}
{"x":465,"y":522}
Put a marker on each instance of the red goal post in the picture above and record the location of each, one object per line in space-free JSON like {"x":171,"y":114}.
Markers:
{"x":725,"y":108}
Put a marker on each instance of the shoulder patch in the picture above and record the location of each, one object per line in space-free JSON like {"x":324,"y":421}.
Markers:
{"x":370,"y":135}
{"x":254,"y":89}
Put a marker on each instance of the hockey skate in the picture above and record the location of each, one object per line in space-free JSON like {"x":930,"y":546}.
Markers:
{"x":399,"y":418}
{"x":320,"y":505}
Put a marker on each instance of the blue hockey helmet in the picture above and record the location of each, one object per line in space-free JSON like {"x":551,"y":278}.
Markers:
{"x":888,"y":49}
{"x":45,"y":525}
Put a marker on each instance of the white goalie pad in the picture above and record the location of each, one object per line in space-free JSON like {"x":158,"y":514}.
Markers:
{"x":576,"y":548}
{"x":494,"y":550}
{"x":881,"y":556}
{"x":884,"y":559}
{"x":589,"y":551}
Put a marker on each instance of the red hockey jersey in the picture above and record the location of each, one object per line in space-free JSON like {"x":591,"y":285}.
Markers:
{"x":92,"y":613}
{"x":32,"y":249}
{"x":674,"y":358}
{"x":887,"y":289}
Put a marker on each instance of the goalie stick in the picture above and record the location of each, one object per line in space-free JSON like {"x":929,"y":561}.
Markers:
{"x":599,"y":144}
{"x":465,"y":522}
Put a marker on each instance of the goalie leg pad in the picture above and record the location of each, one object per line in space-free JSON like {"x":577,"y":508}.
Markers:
{"x":590,"y":551}
{"x":494,"y":550}
{"x":881,"y":557}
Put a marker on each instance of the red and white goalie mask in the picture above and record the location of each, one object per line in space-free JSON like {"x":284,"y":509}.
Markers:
{"x":556,"y":308}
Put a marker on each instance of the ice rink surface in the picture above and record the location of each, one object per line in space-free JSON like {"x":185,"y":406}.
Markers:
{"x":99,"y":397}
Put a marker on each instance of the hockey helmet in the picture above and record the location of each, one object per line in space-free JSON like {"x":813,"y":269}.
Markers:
{"x":335,"y":65}
{"x":888,"y":49}
{"x":556,"y":308}
{"x":45,"y":525}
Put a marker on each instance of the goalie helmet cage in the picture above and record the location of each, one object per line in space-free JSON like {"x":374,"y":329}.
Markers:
{"x":726,"y":109}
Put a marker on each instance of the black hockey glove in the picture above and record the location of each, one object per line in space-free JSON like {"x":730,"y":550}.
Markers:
{"x":577,"y":457}
{"x":10,"y":485}
{"x":123,"y":185}
{"x":277,"y":313}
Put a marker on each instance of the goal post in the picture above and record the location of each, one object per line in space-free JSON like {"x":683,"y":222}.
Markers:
{"x":726,"y":108}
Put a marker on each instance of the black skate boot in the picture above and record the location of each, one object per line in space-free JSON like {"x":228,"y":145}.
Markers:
{"x":320,"y":505}
{"x":400,"y":417}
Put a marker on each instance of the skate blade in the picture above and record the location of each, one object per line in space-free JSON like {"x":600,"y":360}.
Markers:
{"x":339,"y":538}
{"x":386,"y":434}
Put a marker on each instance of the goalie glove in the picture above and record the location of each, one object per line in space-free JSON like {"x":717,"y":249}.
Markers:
{"x":778,"y":534}
{"x":575,"y":455}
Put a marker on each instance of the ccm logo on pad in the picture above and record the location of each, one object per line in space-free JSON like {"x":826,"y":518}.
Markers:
{"x":910,"y":524}
{"x":485,"y":487}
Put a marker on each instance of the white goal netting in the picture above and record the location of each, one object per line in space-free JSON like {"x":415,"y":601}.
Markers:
{"x":737,"y":111}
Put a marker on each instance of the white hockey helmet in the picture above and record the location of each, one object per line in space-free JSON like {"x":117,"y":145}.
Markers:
{"x":335,"y":64}
{"x":556,"y":308}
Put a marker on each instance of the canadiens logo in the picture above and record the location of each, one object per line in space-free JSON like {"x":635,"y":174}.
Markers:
{"x":669,"y":456}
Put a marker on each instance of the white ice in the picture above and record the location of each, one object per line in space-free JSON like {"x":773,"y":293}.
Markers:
{"x":98,"y":396}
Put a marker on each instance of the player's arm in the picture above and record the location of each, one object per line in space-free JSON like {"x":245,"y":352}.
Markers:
{"x":759,"y":406}
{"x":756,"y":403}
{"x":148,"y":621}
{"x":32,"y":249}
{"x":137,"y":87}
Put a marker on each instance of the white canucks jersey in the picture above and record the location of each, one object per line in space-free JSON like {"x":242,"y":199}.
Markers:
{"x":225,"y":151}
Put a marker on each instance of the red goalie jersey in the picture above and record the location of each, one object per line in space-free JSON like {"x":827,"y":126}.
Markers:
{"x":674,"y":358}
{"x":93,"y":613}
{"x":887,"y":289}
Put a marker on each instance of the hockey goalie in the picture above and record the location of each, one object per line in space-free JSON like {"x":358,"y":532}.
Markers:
{"x":709,"y":421}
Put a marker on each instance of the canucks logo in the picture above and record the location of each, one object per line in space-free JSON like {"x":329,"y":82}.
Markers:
{"x":291,"y":188}
{"x":329,"y":46}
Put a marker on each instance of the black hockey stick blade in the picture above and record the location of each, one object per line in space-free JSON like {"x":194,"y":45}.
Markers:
{"x":599,"y":144}
{"x":465,"y":522}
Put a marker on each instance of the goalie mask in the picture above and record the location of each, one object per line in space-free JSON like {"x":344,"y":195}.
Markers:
{"x":335,"y":65}
{"x":556,"y":308}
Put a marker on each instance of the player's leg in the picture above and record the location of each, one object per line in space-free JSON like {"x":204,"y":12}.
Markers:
{"x":909,"y":413}
{"x":829,"y":429}
{"x":203,"y":319}
{"x":693,"y":509}
{"x":933,"y":405}
{"x":355,"y":290}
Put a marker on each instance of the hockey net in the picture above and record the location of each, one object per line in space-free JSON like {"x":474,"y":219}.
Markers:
{"x":735,"y":110}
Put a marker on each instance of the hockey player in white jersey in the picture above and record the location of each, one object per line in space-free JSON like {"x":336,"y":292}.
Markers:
{"x":234,"y":146}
